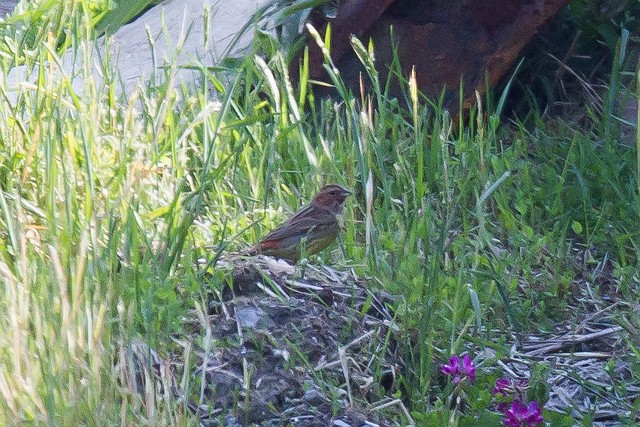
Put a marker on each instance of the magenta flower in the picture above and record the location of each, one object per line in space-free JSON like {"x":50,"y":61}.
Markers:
{"x":506,"y":387}
{"x":468,"y":368}
{"x":522,"y":385}
{"x":453,"y":368}
{"x":502,"y":386}
{"x":459,"y":370}
{"x":521,"y":415}
{"x":503,"y":407}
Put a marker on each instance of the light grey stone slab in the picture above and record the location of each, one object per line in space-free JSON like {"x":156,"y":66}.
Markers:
{"x":175,"y":29}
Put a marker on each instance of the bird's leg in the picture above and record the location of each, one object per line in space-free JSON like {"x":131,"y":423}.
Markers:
{"x":303,"y":257}
{"x":303,"y":267}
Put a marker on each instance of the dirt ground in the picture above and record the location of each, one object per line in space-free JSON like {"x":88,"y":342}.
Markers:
{"x":315,"y":346}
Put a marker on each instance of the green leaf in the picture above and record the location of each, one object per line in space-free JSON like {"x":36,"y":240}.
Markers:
{"x":576,"y":227}
{"x":123,"y":12}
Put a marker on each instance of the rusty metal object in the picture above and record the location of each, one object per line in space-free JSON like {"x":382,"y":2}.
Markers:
{"x":445,"y":41}
{"x":353,"y":17}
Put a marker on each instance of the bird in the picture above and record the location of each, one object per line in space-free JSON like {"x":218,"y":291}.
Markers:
{"x":310,"y":230}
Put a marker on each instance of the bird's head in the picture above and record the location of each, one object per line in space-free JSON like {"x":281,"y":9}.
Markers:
{"x":332,"y":197}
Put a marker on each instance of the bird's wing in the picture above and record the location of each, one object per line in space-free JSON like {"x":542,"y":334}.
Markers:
{"x":304,"y":221}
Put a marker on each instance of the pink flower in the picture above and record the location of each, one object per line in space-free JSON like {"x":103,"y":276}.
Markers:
{"x":521,"y":415}
{"x":459,"y":370}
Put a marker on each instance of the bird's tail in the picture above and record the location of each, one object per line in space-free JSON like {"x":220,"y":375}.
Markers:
{"x":250,"y":251}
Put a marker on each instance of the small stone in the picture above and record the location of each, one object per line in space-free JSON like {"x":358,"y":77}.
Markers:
{"x":313,"y":397}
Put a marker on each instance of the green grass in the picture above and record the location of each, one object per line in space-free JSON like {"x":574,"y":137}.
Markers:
{"x":107,"y":202}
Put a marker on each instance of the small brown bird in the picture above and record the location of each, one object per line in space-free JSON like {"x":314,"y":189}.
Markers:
{"x":308,"y":231}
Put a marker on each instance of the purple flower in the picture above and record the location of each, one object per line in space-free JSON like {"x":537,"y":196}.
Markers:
{"x":502,"y":386}
{"x":453,"y":367}
{"x":522,"y":385}
{"x":503,"y":407}
{"x":468,"y":368}
{"x":506,"y":387}
{"x":521,"y":415}
{"x":459,"y":370}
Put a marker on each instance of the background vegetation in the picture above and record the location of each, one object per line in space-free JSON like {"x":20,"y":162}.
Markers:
{"x":478,"y":227}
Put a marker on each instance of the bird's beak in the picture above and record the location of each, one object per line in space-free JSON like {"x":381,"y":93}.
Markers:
{"x":346,"y":192}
